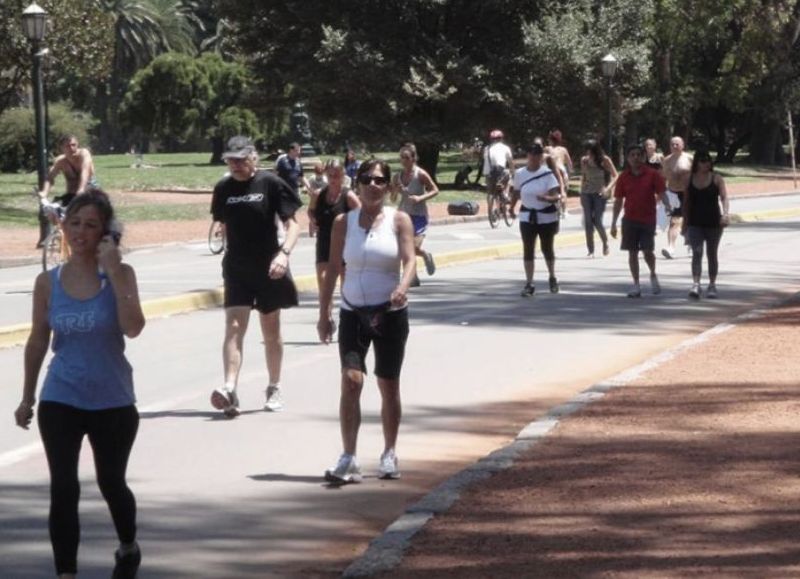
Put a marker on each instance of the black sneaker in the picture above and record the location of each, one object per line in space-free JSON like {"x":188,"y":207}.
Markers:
{"x":527,"y":291}
{"x":553,"y":285}
{"x":127,"y":565}
{"x":415,"y":282}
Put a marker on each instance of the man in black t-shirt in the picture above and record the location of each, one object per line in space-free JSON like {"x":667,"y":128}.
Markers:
{"x":255,"y":267}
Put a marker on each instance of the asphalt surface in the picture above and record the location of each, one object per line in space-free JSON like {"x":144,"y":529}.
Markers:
{"x":245,"y":498}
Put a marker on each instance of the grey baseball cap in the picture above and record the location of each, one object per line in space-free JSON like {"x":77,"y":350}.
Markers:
{"x":239,"y":147}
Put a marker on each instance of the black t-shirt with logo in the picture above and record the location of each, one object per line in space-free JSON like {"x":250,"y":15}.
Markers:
{"x":248,"y":210}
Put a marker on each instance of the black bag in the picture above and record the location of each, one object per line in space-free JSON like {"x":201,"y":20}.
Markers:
{"x":463,"y":208}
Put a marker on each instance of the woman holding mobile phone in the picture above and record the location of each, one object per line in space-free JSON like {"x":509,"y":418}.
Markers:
{"x":88,"y":305}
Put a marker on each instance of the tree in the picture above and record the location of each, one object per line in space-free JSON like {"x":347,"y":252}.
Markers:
{"x":386,"y":71}
{"x":177,"y":98}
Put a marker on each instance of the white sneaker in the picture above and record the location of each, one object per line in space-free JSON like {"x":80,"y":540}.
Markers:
{"x":635,"y":292}
{"x":656,"y":287}
{"x":274,"y":401}
{"x":388,"y":466}
{"x":225,"y":400}
{"x":345,"y":471}
{"x":695,"y":291}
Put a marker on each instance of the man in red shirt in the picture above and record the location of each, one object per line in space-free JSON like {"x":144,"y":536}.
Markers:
{"x":639,"y":185}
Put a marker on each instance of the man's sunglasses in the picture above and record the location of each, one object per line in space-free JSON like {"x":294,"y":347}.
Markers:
{"x":376,"y":179}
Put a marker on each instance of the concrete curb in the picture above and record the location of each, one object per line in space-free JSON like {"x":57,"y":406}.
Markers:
{"x":386,"y":551}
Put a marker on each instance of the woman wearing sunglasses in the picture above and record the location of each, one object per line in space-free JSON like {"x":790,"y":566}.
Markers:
{"x":376,"y":242}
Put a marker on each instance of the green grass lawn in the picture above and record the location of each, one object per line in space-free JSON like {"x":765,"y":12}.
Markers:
{"x":192,"y":171}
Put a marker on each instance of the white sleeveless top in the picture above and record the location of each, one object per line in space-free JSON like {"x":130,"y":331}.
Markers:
{"x":372,"y":261}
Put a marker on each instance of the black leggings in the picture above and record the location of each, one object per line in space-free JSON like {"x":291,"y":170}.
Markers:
{"x":546,"y":233}
{"x":111,"y":434}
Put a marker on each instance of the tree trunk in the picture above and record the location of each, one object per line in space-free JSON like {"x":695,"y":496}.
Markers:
{"x":765,"y":142}
{"x":428,"y":157}
{"x":217,"y":148}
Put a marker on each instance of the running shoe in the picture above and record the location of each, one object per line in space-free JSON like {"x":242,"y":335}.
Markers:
{"x":590,"y":255}
{"x":711,"y":292}
{"x":126,"y":566}
{"x":666,"y":253}
{"x":345,"y":471}
{"x":694,"y":293}
{"x":527,"y":291}
{"x":415,"y":282}
{"x":553,"y":285}
{"x":635,"y":292}
{"x":430,"y":265}
{"x":225,"y":400}
{"x":654,"y":285}
{"x":274,"y":401}
{"x":388,"y":466}
{"x":606,"y":250}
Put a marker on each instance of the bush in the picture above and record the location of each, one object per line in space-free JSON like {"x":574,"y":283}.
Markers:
{"x":18,"y":134}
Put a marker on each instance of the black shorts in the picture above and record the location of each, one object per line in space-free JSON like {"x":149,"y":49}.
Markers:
{"x":390,"y":345}
{"x":247,"y":283}
{"x":638,"y":236}
{"x":323,"y":246}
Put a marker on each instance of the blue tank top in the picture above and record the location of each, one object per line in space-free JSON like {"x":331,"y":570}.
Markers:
{"x":89,"y":369}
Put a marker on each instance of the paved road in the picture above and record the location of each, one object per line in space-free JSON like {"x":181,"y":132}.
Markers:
{"x":183,"y":268}
{"x":244,"y":498}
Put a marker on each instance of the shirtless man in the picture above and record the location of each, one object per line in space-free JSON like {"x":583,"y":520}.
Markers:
{"x":77,"y":166}
{"x":677,"y":170}
{"x":560,"y":155}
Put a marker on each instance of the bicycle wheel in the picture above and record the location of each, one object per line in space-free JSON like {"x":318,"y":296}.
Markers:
{"x":52,"y":250}
{"x":492,"y":211}
{"x":216,"y":238}
{"x":507,"y":216}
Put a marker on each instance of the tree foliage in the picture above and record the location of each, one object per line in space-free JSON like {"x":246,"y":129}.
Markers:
{"x":177,"y":98}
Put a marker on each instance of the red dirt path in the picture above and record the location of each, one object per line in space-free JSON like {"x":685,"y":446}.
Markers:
{"x":693,"y":470}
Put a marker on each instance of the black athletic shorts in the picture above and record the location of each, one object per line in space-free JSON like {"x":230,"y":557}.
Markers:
{"x":389,"y":338}
{"x":247,"y":283}
{"x":638,"y":236}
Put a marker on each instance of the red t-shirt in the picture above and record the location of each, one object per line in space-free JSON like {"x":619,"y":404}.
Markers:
{"x":639,"y":192}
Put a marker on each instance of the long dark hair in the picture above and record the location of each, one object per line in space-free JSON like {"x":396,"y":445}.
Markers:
{"x":596,"y":151}
{"x":699,"y":156}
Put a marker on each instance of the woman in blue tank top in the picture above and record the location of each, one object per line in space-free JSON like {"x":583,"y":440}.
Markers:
{"x":88,"y":305}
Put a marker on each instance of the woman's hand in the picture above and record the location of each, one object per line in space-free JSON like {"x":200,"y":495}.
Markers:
{"x":398,"y":298}
{"x":725,"y":220}
{"x":23,"y":415}
{"x":108,"y":255}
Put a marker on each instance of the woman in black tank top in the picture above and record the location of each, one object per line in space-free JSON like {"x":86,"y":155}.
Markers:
{"x":704,"y":220}
{"x":334,"y":199}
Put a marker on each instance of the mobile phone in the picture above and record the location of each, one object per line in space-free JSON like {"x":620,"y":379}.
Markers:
{"x":115,"y":231}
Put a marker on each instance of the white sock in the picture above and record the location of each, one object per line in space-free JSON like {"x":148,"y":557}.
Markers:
{"x":230,"y":386}
{"x":276,"y":385}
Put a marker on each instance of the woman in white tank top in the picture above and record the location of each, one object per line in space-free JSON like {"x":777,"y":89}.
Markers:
{"x":376,"y":243}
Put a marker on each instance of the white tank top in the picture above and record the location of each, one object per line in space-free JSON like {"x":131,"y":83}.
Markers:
{"x":372,"y":261}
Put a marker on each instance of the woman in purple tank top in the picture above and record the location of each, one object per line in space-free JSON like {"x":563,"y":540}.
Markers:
{"x":87,"y":306}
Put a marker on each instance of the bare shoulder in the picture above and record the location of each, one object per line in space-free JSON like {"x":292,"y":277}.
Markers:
{"x":402,"y":220}
{"x":42,"y":285}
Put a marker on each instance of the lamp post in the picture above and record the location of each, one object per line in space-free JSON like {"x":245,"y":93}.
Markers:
{"x":34,"y":24}
{"x":609,"y":67}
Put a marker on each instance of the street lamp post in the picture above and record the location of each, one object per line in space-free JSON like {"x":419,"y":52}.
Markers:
{"x":609,"y":66}
{"x":34,"y":24}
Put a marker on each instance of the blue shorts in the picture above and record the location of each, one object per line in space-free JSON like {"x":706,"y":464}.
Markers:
{"x":420,"y":223}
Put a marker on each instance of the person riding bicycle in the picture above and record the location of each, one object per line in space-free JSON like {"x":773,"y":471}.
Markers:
{"x":498,"y":163}
{"x":77,"y":166}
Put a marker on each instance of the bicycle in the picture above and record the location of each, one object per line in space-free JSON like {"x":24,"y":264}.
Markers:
{"x":54,"y":250}
{"x":499,"y":205}
{"x":216,"y":237}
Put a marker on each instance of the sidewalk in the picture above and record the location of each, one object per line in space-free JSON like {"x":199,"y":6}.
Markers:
{"x":691,"y":469}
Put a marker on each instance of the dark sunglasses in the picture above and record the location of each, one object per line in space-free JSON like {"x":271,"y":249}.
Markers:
{"x":376,"y":179}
